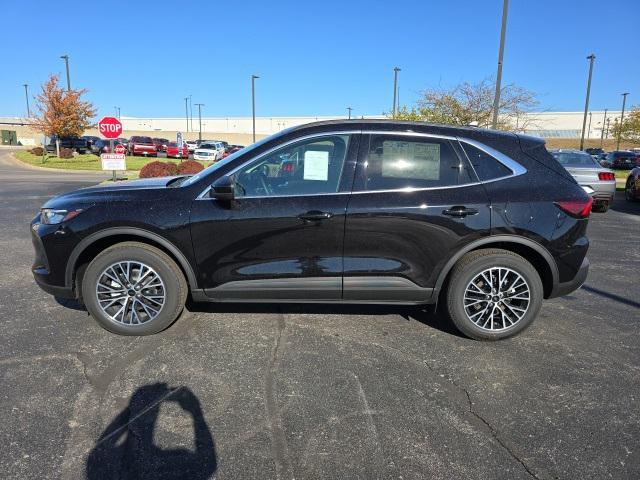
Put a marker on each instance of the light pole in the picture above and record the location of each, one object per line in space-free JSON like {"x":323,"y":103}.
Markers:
{"x":503,"y":31}
{"x":624,"y":101}
{"x":608,"y":125}
{"x":200,"y":105}
{"x":191,"y":111}
{"x":349,"y":110}
{"x":591,"y":59}
{"x":589,"y":129}
{"x":604,"y":120}
{"x":66,"y":62}
{"x":186,"y":111}
{"x":253,"y":103}
{"x":395,"y":90}
{"x":26,"y":96}
{"x":117,"y":111}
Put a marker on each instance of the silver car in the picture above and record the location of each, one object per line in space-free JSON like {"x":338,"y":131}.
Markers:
{"x":598,"y":181}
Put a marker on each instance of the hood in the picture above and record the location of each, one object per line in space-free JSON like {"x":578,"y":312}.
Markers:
{"x":119,"y":191}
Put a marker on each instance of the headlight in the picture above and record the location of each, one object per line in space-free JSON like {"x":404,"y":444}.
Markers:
{"x":49,"y":216}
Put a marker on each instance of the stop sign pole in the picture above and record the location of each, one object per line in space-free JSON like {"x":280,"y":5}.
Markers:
{"x":110,"y":127}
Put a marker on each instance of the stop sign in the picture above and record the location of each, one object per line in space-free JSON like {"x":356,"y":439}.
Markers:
{"x":119,"y":149}
{"x":110,"y":127}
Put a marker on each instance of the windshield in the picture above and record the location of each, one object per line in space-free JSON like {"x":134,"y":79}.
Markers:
{"x":232,"y":157}
{"x":575,"y":159}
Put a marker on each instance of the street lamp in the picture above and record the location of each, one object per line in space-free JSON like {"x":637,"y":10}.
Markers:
{"x":26,"y":96}
{"x":591,"y":59}
{"x":253,"y":103}
{"x":624,"y":101}
{"x":117,"y":111}
{"x":66,"y":62}
{"x":200,"y":105}
{"x":395,"y":90}
{"x":349,"y":109}
{"x":186,"y":111}
{"x":589,"y":129}
{"x":191,"y":112}
{"x":604,"y":120}
{"x":503,"y":31}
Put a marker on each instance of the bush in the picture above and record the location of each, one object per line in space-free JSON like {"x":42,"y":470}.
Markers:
{"x":158,"y":169}
{"x":66,"y":153}
{"x":189,"y":167}
{"x":39,"y":151}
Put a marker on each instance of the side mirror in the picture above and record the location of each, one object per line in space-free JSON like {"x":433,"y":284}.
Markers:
{"x":222,"y":189}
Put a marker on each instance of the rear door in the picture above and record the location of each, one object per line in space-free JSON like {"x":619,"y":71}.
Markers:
{"x":415,"y":202}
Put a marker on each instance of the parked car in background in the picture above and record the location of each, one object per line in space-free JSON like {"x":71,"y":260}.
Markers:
{"x":208,"y":152}
{"x":123,"y":141}
{"x":191,"y":145}
{"x":91,"y":139}
{"x":600,"y":181}
{"x":594,"y":152}
{"x":161,"y":143}
{"x":230,"y":150}
{"x":142,"y":146}
{"x":96,"y":145}
{"x":632,"y":185}
{"x":106,"y":146}
{"x":379,"y":211}
{"x":80,"y":145}
{"x":173,"y":151}
{"x":622,"y":159}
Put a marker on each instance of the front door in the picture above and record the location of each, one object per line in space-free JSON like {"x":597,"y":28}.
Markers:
{"x":415,"y":202}
{"x":281,"y":238}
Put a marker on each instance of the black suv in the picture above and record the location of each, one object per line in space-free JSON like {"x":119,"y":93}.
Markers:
{"x":487,"y":223}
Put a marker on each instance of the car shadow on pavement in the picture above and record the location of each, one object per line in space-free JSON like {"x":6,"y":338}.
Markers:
{"x":127,"y":449}
{"x":422,"y":314}
{"x":620,"y":204}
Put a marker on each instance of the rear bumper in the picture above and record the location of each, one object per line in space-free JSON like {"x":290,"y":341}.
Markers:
{"x":565,"y":288}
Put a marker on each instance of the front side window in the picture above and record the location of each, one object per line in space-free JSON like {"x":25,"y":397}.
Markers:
{"x":486,"y":166}
{"x":309,"y":167}
{"x":398,"y":162}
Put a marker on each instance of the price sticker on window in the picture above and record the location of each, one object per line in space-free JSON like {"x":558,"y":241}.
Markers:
{"x":316,"y":165}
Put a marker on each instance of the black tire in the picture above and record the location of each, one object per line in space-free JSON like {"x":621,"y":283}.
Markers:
{"x":630,"y":193}
{"x":176,"y":287}
{"x":471,"y":265}
{"x":600,"y":208}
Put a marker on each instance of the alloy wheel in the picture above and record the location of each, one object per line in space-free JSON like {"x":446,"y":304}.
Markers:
{"x":130,"y":292}
{"x":497,"y":298}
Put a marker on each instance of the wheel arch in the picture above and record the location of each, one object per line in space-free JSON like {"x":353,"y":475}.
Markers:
{"x":529,"y":249}
{"x":90,"y":246}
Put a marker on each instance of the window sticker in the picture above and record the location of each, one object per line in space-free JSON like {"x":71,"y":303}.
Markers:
{"x":316,"y":165}
{"x":411,"y":160}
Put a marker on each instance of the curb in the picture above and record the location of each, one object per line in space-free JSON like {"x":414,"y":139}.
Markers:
{"x":16,"y":161}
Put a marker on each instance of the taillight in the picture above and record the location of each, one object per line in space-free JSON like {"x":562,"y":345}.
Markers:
{"x":576,"y":208}
{"x":606,"y":176}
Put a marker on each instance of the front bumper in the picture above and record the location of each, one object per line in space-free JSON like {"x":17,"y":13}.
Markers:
{"x":566,"y":288}
{"x":44,"y":268}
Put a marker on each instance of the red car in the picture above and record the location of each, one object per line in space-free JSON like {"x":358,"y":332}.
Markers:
{"x":161,"y":144}
{"x":174,"y":152}
{"x":632,"y":185}
{"x":142,"y":146}
{"x":230,"y":150}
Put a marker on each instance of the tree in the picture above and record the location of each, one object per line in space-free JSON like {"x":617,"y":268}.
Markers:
{"x":61,"y":113}
{"x":629,"y":131}
{"x":472,"y":103}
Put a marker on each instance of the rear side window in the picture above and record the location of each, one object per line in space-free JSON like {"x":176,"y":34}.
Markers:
{"x":486,"y":167}
{"x":397,"y":162}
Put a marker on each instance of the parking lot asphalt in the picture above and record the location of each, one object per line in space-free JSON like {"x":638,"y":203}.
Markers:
{"x":237,"y":391}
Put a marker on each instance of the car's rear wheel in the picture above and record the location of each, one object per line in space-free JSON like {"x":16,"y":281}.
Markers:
{"x":630,"y":190}
{"x":493,"y":294}
{"x":133,"y":288}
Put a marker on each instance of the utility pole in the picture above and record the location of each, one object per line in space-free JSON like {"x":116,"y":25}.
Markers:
{"x":191,"y":111}
{"x":395,"y":90}
{"x":117,"y":112}
{"x":624,"y":101}
{"x":66,"y":62}
{"x":604,"y":120}
{"x":349,"y":110}
{"x":26,"y":96}
{"x":589,"y":128}
{"x":608,"y":124}
{"x":253,"y":103}
{"x":591,"y":59}
{"x":503,"y":31}
{"x":200,"y":105}
{"x":186,"y":111}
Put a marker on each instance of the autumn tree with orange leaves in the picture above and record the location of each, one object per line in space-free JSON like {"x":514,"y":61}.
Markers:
{"x":62,"y":113}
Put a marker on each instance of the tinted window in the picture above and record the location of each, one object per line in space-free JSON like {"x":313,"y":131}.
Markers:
{"x":308,"y":167}
{"x":574,"y":159}
{"x":486,"y":167}
{"x":396,"y":162}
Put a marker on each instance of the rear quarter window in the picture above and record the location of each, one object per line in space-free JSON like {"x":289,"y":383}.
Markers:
{"x":486,"y":166}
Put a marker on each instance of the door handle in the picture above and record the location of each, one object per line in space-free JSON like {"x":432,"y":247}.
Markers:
{"x":460,"y":211}
{"x":314,"y":216}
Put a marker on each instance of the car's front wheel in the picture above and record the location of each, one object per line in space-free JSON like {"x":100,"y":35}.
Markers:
{"x":493,"y":294}
{"x":630,"y":193}
{"x":133,"y":288}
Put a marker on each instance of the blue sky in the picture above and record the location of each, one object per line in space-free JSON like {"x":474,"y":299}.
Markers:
{"x":315,"y":58}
